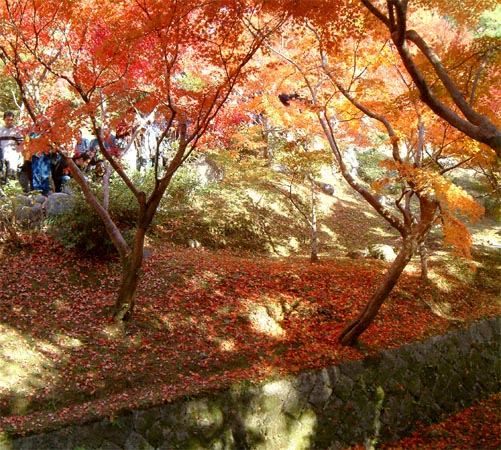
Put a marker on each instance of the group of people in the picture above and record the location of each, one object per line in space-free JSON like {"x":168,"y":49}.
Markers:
{"x":85,"y":153}
{"x":45,"y":171}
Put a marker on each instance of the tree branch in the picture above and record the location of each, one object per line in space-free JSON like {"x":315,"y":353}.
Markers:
{"x":474,"y":125}
{"x":113,"y":231}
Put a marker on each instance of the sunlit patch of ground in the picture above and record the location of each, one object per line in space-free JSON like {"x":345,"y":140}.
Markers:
{"x":26,"y":365}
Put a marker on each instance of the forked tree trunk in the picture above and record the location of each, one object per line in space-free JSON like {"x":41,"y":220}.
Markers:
{"x":359,"y":324}
{"x":124,"y":305}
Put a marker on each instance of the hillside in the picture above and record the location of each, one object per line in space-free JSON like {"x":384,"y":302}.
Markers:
{"x":203,"y":320}
{"x":207,"y":318}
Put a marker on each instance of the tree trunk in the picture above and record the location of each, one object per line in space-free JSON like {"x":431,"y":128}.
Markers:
{"x":314,"y":234}
{"x":111,"y":228}
{"x":106,"y":187}
{"x":423,"y":254}
{"x":359,"y":324}
{"x":124,"y":305}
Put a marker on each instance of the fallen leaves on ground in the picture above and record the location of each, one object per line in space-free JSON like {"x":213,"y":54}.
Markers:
{"x":203,"y":321}
{"x":475,"y":428}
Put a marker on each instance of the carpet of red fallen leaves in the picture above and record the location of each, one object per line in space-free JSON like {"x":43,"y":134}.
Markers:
{"x":199,"y":324}
{"x":475,"y":428}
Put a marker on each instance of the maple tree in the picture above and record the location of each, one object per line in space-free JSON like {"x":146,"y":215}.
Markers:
{"x":448,"y":86}
{"x":116,"y":60}
{"x":279,"y":158}
{"x":99,"y":63}
{"x":94,"y":63}
{"x":352,"y":99}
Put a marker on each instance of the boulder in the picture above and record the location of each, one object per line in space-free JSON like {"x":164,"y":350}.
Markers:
{"x":358,"y":254}
{"x":280,"y":168}
{"x":193,"y":243}
{"x":208,"y":170}
{"x":29,"y":209}
{"x":326,"y":188}
{"x":57,"y":204}
{"x":382,"y":251}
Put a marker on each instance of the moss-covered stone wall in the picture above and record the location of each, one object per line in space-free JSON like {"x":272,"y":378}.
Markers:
{"x":375,"y":399}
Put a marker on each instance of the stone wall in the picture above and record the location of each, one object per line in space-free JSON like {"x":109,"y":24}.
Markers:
{"x":378,"y":398}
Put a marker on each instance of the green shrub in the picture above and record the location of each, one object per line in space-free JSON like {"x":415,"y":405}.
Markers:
{"x":226,"y":216}
{"x":217,"y":216}
{"x":216,"y":220}
{"x":369,"y":169}
{"x":492,"y":207}
{"x":7,"y":220}
{"x":485,"y":189}
{"x":11,"y":228}
{"x":82,"y":228}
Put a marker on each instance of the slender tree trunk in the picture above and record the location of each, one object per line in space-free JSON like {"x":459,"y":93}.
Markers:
{"x":111,"y":228}
{"x":124,"y":305}
{"x":360,"y":323}
{"x":423,"y":254}
{"x":106,"y":187}
{"x":314,"y":234}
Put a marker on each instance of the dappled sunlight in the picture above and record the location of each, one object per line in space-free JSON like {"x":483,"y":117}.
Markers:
{"x":355,"y":227}
{"x":226,"y":345}
{"x":278,"y":414}
{"x":263,"y":323}
{"x":369,"y":214}
{"x":202,"y":319}
{"x":383,"y":232}
{"x":254,"y":195}
{"x":24,"y":365}
{"x":67,"y":342}
{"x":439,"y":281}
{"x":112,"y":331}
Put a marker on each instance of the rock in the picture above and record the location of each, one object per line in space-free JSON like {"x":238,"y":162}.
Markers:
{"x":280,"y":168}
{"x":33,"y":208}
{"x":326,"y":187}
{"x":193,"y":243}
{"x":382,"y":251}
{"x":358,"y":254}
{"x":57,"y":204}
{"x":382,"y":199}
{"x":29,"y":209}
{"x":204,"y":417}
{"x":137,"y":442}
{"x":208,"y":170}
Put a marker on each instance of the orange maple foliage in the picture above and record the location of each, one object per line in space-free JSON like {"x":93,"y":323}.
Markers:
{"x":352,"y":101}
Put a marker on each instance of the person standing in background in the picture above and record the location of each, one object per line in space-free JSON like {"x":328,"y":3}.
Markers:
{"x":82,"y":145}
{"x":40,"y":172}
{"x":40,"y":160}
{"x":11,"y":156}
